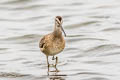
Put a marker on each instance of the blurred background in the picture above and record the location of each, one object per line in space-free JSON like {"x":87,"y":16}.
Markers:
{"x":92,"y":44}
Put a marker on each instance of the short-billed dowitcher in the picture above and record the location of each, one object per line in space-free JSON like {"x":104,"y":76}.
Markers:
{"x":53,"y":43}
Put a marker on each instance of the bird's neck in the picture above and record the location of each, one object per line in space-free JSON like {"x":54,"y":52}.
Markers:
{"x":57,"y":31}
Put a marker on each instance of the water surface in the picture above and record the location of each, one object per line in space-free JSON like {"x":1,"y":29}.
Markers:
{"x":92,"y":44}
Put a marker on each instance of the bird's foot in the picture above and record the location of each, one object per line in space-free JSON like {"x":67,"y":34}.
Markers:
{"x":53,"y":58}
{"x":56,"y":61}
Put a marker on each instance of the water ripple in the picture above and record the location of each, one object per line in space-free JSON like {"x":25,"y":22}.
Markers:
{"x":92,"y":44}
{"x":81,"y":24}
{"x":105,"y":47}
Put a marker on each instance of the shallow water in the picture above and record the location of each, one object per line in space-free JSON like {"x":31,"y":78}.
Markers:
{"x":92,"y":44}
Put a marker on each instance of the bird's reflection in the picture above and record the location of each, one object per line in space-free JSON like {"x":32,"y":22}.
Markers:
{"x":56,"y":77}
{"x":54,"y":74}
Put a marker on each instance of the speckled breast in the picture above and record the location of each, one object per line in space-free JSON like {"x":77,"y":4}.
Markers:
{"x":57,"y":47}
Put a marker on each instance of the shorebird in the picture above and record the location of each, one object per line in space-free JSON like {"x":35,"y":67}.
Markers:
{"x":53,"y":43}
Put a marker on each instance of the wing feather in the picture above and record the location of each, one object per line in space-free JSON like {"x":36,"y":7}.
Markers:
{"x":42,"y":42}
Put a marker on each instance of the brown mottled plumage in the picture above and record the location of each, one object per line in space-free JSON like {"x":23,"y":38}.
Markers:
{"x":53,"y":43}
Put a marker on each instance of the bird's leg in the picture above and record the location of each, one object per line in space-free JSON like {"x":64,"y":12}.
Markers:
{"x":56,"y":64}
{"x":56,"y":61}
{"x":48,"y":63}
{"x":53,"y":58}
